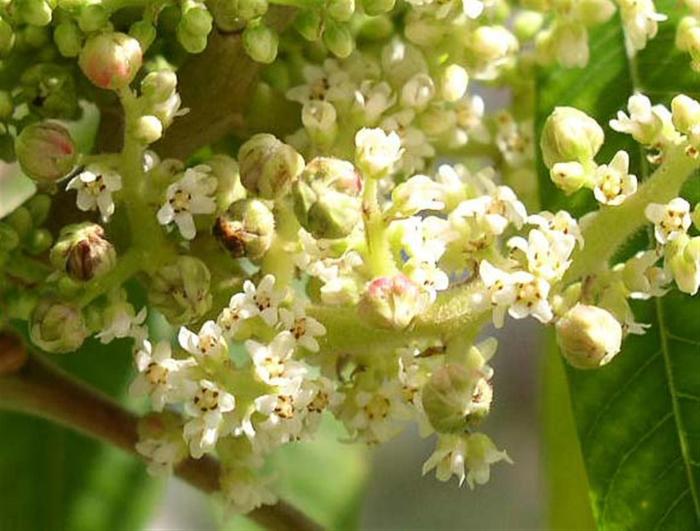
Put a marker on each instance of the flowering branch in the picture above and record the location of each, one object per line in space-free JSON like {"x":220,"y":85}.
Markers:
{"x":29,"y":384}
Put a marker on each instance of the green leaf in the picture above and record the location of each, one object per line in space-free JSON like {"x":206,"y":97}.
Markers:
{"x":53,"y":479}
{"x":638,"y":419}
{"x":324,"y":478}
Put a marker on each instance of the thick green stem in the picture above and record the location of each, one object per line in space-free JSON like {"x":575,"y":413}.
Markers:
{"x":379,"y":257}
{"x":612,"y":226}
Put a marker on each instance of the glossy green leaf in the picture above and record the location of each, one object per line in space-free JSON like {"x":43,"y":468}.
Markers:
{"x":638,"y":419}
{"x":52,"y":479}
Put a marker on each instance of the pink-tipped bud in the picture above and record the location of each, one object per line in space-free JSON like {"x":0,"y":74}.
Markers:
{"x":111,"y":60}
{"x":391,"y":302}
{"x":45,"y":151}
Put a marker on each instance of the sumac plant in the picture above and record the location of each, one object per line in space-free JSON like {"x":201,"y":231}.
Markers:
{"x":262,"y":213}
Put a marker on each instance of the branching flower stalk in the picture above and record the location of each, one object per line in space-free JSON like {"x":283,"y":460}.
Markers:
{"x":355,"y":217}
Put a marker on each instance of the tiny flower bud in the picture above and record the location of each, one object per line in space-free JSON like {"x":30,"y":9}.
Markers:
{"x":454,"y":83}
{"x":377,"y":7}
{"x":320,"y":120}
{"x":45,"y":151}
{"x":268,"y":166}
{"x":261,"y":43}
{"x":569,"y":176}
{"x":686,"y":114}
{"x":7,"y":107}
{"x":68,"y":39}
{"x":9,"y":239}
{"x":159,"y":86}
{"x":111,"y":60}
{"x":527,"y":24}
{"x":180,"y":291}
{"x":246,"y":229}
{"x":338,"y":39}
{"x":589,"y":337}
{"x":144,"y":32}
{"x":38,"y":242}
{"x":35,"y":12}
{"x":570,"y":135}
{"x":50,"y":91}
{"x":391,"y":302}
{"x":308,"y":24}
{"x":327,"y":198}
{"x":7,"y":38}
{"x":376,"y":152}
{"x":57,"y":326}
{"x":683,"y":260}
{"x":340,"y":10}
{"x":83,"y":252}
{"x":449,"y":395}
{"x":695,"y":216}
{"x":229,"y":187}
{"x":147,"y":129}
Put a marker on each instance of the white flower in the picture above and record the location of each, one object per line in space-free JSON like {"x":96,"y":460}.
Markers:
{"x":285,"y":411}
{"x":682,"y":260}
{"x":208,"y":343}
{"x":231,"y":317}
{"x":160,"y":377}
{"x":273,"y":362}
{"x":95,"y":186}
{"x":469,"y":113}
{"x":418,"y":91}
{"x":427,"y":276}
{"x":303,"y":328}
{"x":562,"y":223}
{"x":514,"y":140}
{"x":481,"y":454}
{"x":379,"y":414}
{"x":415,"y":145}
{"x":244,"y":491}
{"x":121,"y":320}
{"x":640,"y":20}
{"x":547,"y":255}
{"x":328,"y":83}
{"x":190,"y":195}
{"x":648,"y":125}
{"x":207,"y":405}
{"x":262,"y":300}
{"x":642,"y":277}
{"x":376,"y":152}
{"x":531,"y":299}
{"x":670,"y":220}
{"x":416,"y":194}
{"x":162,"y":454}
{"x":614,"y":184}
{"x":496,"y":210}
{"x":371,"y":100}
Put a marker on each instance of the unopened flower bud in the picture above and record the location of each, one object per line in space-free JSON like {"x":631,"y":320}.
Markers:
{"x":147,"y":129}
{"x":570,"y":135}
{"x":308,"y":23}
{"x":268,"y":166}
{"x":7,"y":38}
{"x":38,"y":242}
{"x":194,"y":26}
{"x":376,"y":152}
{"x":527,"y":24}
{"x":68,"y":39}
{"x":144,"y":32}
{"x":83,"y":252}
{"x":7,"y":107}
{"x":338,"y":39}
{"x":180,"y":291}
{"x":159,"y":86}
{"x":340,"y":10}
{"x":683,"y":260}
{"x":50,"y":91}
{"x":686,"y":32}
{"x":250,"y":9}
{"x":9,"y":239}
{"x":246,"y":229}
{"x":418,"y":91}
{"x":492,"y":43}
{"x":686,"y":114}
{"x":589,"y":336}
{"x":454,"y":83}
{"x":569,"y":176}
{"x":35,"y":12}
{"x":377,"y":7}
{"x":229,"y":188}
{"x":45,"y":151}
{"x":261,"y":43}
{"x":111,"y":60}
{"x":391,"y":302}
{"x":320,"y":120}
{"x":327,"y":199}
{"x":57,"y":326}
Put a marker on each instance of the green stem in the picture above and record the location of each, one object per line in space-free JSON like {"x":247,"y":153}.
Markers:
{"x":128,"y":265}
{"x":379,"y":257}
{"x":26,"y":268}
{"x":612,"y":226}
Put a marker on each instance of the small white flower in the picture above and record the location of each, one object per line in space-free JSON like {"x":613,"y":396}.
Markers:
{"x":273,"y":362}
{"x":640,"y":20}
{"x":95,"y":186}
{"x":371,"y":99}
{"x":496,"y":211}
{"x":514,"y":140}
{"x":648,"y":125}
{"x":231,"y":317}
{"x":208,"y":343}
{"x":670,"y":220}
{"x":303,"y":328}
{"x":262,"y":300}
{"x":327,"y":83}
{"x":192,"y":194}
{"x":160,"y":377}
{"x":562,"y":223}
{"x":642,"y":277}
{"x":244,"y":491}
{"x":416,"y":194}
{"x":481,"y":454}
{"x":614,"y":183}
{"x":418,"y":91}
{"x":448,"y":459}
{"x":547,"y":256}
{"x":207,"y":406}
{"x":379,"y":414}
{"x":121,"y":320}
{"x":416,"y":148}
{"x":162,"y":454}
{"x":376,"y":152}
{"x":531,"y":294}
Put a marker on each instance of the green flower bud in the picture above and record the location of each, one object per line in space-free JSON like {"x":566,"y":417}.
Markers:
{"x":147,"y":129}
{"x":308,"y":23}
{"x":250,"y":9}
{"x":378,"y":28}
{"x":180,"y":291}
{"x":159,"y":86}
{"x":229,"y":187}
{"x":327,"y":198}
{"x":21,"y":221}
{"x":377,"y":7}
{"x":527,"y":24}
{"x":93,"y":17}
{"x":268,"y":166}
{"x":246,"y":229}
{"x":226,"y":15}
{"x":9,"y":239}
{"x":695,"y":216}
{"x":83,"y":252}
{"x":35,"y":12}
{"x":194,"y":26}
{"x":191,"y":42}
{"x":594,"y":12}
{"x":38,"y":242}
{"x":7,"y":107}
{"x":50,"y":91}
{"x":57,"y":326}
{"x":111,"y":60}
{"x":7,"y":38}
{"x":683,"y":260}
{"x":391,"y":302}
{"x":686,"y":114}
{"x":35,"y":36}
{"x":45,"y":151}
{"x":68,"y":39}
{"x":338,"y":39}
{"x":144,"y":32}
{"x":260,"y":43}
{"x":341,"y":10}
{"x":570,"y":135}
{"x":589,"y":337}
{"x":39,"y":207}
